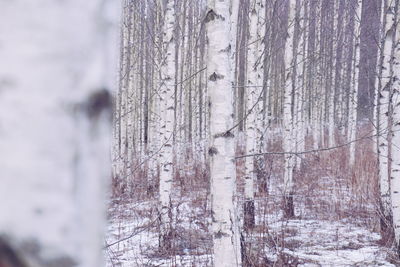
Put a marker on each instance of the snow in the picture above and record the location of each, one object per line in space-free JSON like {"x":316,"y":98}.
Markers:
{"x":136,"y":226}
{"x":310,"y":242}
{"x":335,"y":223}
{"x":330,"y":243}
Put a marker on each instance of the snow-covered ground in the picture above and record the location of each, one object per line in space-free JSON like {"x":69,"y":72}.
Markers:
{"x":133,"y":240}
{"x":328,"y":243}
{"x":335,"y":224}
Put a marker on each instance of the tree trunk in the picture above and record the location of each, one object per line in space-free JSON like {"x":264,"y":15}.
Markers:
{"x":167,"y":117}
{"x":251,"y":117}
{"x":352,"y":127}
{"x":394,"y":120}
{"x":299,"y":82}
{"x":221,"y":149}
{"x":288,"y":140}
{"x":382,"y":109}
{"x":57,"y":106}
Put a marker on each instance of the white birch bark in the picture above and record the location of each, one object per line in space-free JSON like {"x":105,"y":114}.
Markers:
{"x":56,"y":144}
{"x":121,"y":160}
{"x":383,"y":108}
{"x":394,"y":33}
{"x":202,"y":93}
{"x":339,"y":29}
{"x":180,"y":128}
{"x":154,"y":127}
{"x":234,"y":15}
{"x":154,"y":105}
{"x":221,"y":151}
{"x":261,"y":6}
{"x":261,"y":91}
{"x":335,"y":60}
{"x":300,"y":86}
{"x":167,"y":120}
{"x":352,"y":127}
{"x":117,"y":127}
{"x":250,"y":130}
{"x":383,"y":187}
{"x":129,"y":99}
{"x":341,"y":96}
{"x":265,"y":106}
{"x":305,"y":116}
{"x":316,"y":123}
{"x":288,"y":140}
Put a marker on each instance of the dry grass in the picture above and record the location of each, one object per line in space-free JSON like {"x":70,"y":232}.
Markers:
{"x":326,"y":189}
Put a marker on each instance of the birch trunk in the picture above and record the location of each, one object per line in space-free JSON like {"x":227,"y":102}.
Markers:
{"x":221,"y":151}
{"x":261,"y":90}
{"x":58,"y":110}
{"x":120,"y":107}
{"x":167,"y":120}
{"x":312,"y":71}
{"x":250,"y":131}
{"x":352,"y":127}
{"x":394,"y":113}
{"x":288,"y":141}
{"x":266,"y":81}
{"x":299,"y":87}
{"x":383,"y":107}
{"x":337,"y":80}
{"x":384,"y":201}
{"x":334,"y":49}
{"x":318,"y":111}
{"x":306,"y":73}
{"x":123,"y":93}
{"x":154,"y":112}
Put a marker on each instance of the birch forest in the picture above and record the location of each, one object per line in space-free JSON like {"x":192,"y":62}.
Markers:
{"x":257,"y":133}
{"x":224,"y":133}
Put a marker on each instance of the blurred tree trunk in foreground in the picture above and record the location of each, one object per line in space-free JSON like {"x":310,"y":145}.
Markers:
{"x":56,"y":74}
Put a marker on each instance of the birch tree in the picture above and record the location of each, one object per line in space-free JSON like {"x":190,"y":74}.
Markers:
{"x":221,"y":149}
{"x":57,"y":105}
{"x":333,"y":25}
{"x":154,"y":105}
{"x":394,"y":116}
{"x":288,"y":141}
{"x":382,"y":107}
{"x":167,"y":120}
{"x":122,"y":146}
{"x":352,"y":126}
{"x":299,"y":87}
{"x":250,"y":130}
{"x":343,"y":20}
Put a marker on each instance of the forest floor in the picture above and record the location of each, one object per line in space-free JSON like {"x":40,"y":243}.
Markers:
{"x":296,"y":242}
{"x":336,"y":222}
